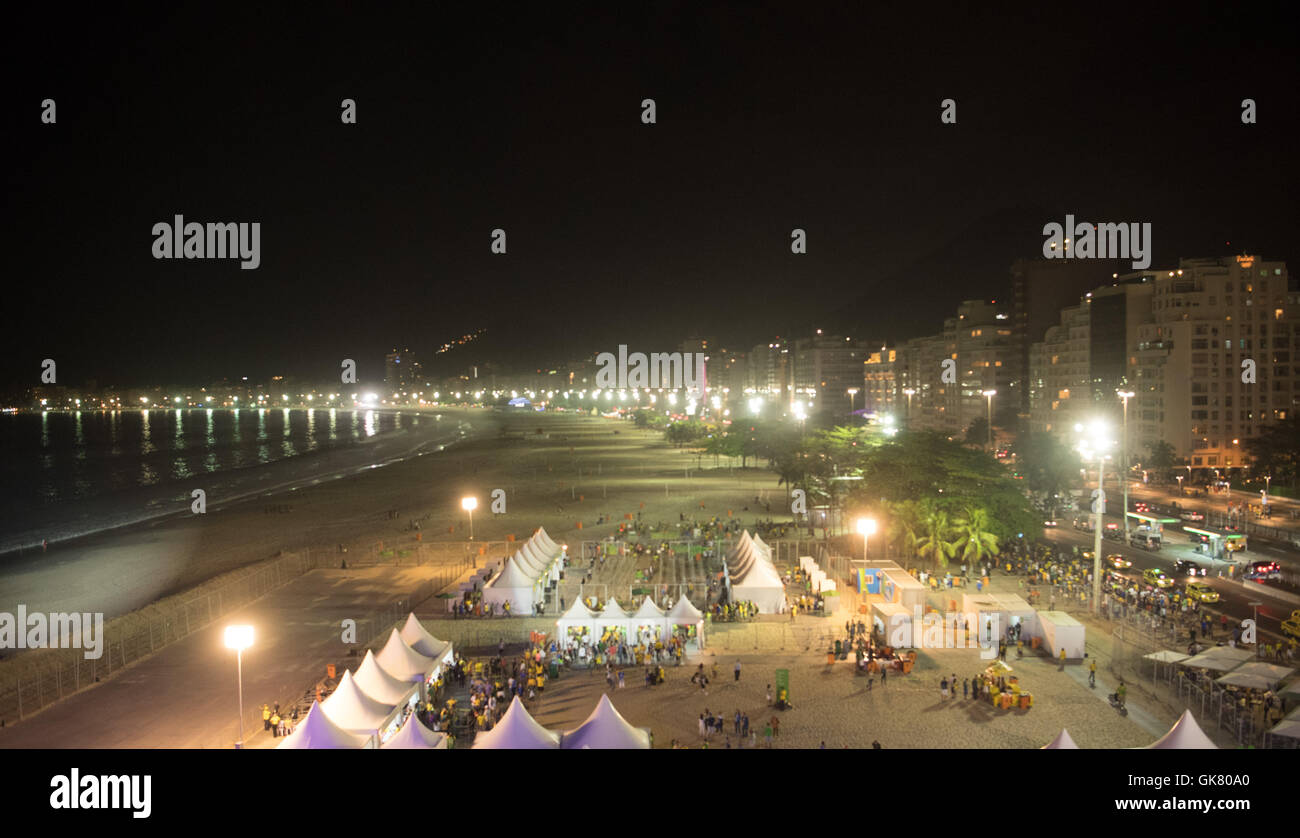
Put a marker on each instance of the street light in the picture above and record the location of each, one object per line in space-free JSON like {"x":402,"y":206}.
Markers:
{"x":469,"y":504}
{"x":239,"y":638}
{"x":853,"y":392}
{"x":866,"y":526}
{"x":1094,"y":440}
{"x":909,"y":392}
{"x":989,"y":394}
{"x":1125,"y":395}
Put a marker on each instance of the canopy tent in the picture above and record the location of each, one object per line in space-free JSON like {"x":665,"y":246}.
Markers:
{"x":752,"y":576}
{"x":1166,"y":656}
{"x":578,"y":622}
{"x":1212,"y":662}
{"x":606,"y":729}
{"x":1244,"y":679}
{"x":414,"y":635}
{"x":354,"y":711}
{"x":514,"y":585}
{"x":684,"y":614}
{"x":1230,"y":653}
{"x":1185,"y":735}
{"x":1291,"y":690}
{"x":1284,"y":729}
{"x":547,"y":543}
{"x":517,"y":731}
{"x":1271,"y":672}
{"x":379,"y":685}
{"x":317,"y":732}
{"x":402,"y":662}
{"x":651,"y":615}
{"x":415,"y":736}
{"x":1062,"y":742}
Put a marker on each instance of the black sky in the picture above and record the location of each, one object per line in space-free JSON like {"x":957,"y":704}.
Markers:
{"x":769,"y":118}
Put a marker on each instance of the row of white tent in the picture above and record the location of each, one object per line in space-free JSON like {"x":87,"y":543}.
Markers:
{"x":604,"y":729}
{"x":820,"y":581}
{"x":648,"y":617}
{"x":526,"y":575}
{"x":751,"y":576}
{"x":366,"y":708}
{"x":1185,"y":735}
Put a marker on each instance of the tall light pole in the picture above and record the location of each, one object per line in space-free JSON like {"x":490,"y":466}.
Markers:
{"x":1123,"y":476}
{"x":853,"y":392}
{"x":989,"y":394}
{"x":866,"y":526}
{"x":1094,"y":441}
{"x":909,"y":392}
{"x":469,"y":504}
{"x":239,"y":638}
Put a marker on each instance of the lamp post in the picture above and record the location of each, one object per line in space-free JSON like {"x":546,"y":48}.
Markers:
{"x":239,"y":638}
{"x":853,"y":392}
{"x":1123,"y":444}
{"x":469,"y":504}
{"x":909,"y":392}
{"x":1093,"y":441}
{"x":989,"y":394}
{"x":866,"y":526}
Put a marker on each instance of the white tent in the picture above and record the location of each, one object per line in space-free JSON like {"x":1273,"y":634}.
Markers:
{"x":1062,"y":742}
{"x":1185,"y":735}
{"x":1216,"y":659}
{"x":514,"y":585}
{"x":354,"y":711}
{"x":317,"y":732}
{"x":650,"y":615}
{"x":577,"y":617}
{"x":415,"y":736}
{"x":686,"y":614}
{"x":545,"y":540}
{"x":415,"y":636}
{"x":1245,"y":679}
{"x":612,"y":616}
{"x":1271,"y":672}
{"x":606,"y":728}
{"x":753,"y":578}
{"x":402,"y":662}
{"x":517,"y":730}
{"x":381,"y":686}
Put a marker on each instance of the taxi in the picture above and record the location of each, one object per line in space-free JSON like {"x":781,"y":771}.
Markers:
{"x":1117,"y":561}
{"x":1291,"y":627}
{"x":1156,"y":576}
{"x":1202,"y":592}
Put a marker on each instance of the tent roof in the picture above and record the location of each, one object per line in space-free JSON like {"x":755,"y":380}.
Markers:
{"x":517,"y":730}
{"x":1213,"y":662}
{"x":317,"y":732}
{"x":543,"y":538}
{"x":1186,"y":734}
{"x":378,"y":684}
{"x":513,"y":575}
{"x":1166,"y":656}
{"x":1271,"y":671}
{"x":606,"y":728}
{"x":649,"y":609}
{"x":415,"y":736}
{"x":685,"y":611}
{"x":1062,"y":742}
{"x":353,"y":710}
{"x":1232,"y":653}
{"x":531,"y":560}
{"x":401,"y":661}
{"x":1289,"y":729}
{"x":1245,"y":679}
{"x":579,"y":611}
{"x":613,"y":611}
{"x":414,"y":634}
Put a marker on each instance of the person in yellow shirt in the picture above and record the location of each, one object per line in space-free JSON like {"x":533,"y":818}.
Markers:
{"x":266,"y":717}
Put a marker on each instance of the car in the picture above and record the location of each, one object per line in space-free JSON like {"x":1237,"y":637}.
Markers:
{"x":1086,"y":554}
{"x":1115,"y":560}
{"x":1156,"y":576}
{"x":1050,"y":522}
{"x":1194,"y":517}
{"x":1201,"y":591}
{"x":1141,"y":506}
{"x":1291,"y":627}
{"x":1263,"y":570}
{"x":1187,"y":567}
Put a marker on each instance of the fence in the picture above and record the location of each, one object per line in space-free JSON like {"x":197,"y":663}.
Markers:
{"x":41,"y":677}
{"x":418,"y":554}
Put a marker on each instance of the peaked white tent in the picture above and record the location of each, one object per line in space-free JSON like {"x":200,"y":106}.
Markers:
{"x":402,"y":662}
{"x":317,"y":732}
{"x":544,"y":539}
{"x":379,"y":685}
{"x":606,"y":728}
{"x":415,"y":736}
{"x":1185,"y":735}
{"x":354,"y":711}
{"x":514,"y":584}
{"x":578,"y":617}
{"x":612,"y":616}
{"x":414,"y":635}
{"x":517,"y":730}
{"x":752,"y":576}
{"x":685,"y":615}
{"x":648,"y":615}
{"x":1062,"y":742}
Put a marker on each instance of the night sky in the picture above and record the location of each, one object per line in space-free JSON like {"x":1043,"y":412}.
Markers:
{"x":377,"y":234}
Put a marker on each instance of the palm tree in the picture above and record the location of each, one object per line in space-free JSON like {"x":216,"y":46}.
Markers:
{"x":973,"y":536}
{"x":905,"y":526}
{"x":934,"y":544}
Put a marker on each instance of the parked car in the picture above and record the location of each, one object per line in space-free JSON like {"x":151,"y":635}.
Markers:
{"x":1291,"y":627}
{"x":1194,"y":517}
{"x":1263,"y":570}
{"x":1117,"y":561}
{"x":1156,"y":576}
{"x":1202,"y":591}
{"x":1050,"y":522}
{"x":1187,"y":567}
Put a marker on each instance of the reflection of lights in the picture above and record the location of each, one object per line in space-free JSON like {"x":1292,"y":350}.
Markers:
{"x":755,"y":405}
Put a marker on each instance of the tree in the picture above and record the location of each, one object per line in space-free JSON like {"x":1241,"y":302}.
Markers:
{"x":1276,"y":451}
{"x":1049,"y":466}
{"x":974,"y":539}
{"x":1162,"y":455}
{"x":936,"y":545}
{"x":978,"y":432}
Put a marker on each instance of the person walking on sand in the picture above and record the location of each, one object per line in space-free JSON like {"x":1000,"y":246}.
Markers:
{"x":769,"y":695}
{"x":943,"y":689}
{"x":737,"y":670}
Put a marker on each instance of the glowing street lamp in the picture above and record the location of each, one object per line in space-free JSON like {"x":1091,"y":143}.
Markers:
{"x":853,"y":392}
{"x":909,"y":392}
{"x":239,"y":638}
{"x":1093,"y":441}
{"x":866,"y":526}
{"x":469,"y":504}
{"x":989,"y":394}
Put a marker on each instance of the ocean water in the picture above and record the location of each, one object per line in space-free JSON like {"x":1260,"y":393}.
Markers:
{"x":65,"y":474}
